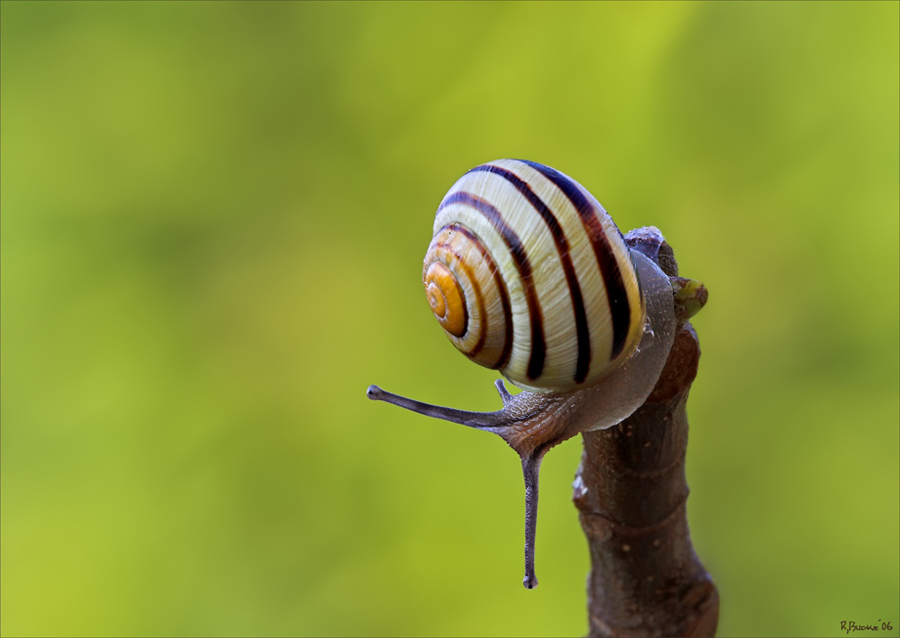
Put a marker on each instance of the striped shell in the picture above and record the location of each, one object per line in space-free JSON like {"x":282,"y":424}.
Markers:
{"x":528,"y":274}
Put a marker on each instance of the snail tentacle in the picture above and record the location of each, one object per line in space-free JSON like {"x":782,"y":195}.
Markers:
{"x":479,"y":420}
{"x":504,"y":393}
{"x":531,"y":466}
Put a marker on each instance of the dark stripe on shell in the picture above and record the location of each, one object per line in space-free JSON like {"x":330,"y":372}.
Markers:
{"x":616,"y":294}
{"x":520,"y":258}
{"x":562,"y":247}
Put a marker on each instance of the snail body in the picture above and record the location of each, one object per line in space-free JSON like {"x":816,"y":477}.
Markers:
{"x":528,"y":274}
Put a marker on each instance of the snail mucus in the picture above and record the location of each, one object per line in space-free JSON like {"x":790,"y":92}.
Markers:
{"x":528,"y":275}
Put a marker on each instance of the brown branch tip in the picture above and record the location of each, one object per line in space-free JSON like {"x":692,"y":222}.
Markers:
{"x":631,"y":493}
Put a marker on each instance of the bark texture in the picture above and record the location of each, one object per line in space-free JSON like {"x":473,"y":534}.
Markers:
{"x":631,"y":492}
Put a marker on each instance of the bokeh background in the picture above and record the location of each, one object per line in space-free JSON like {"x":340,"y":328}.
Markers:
{"x":213,"y":220}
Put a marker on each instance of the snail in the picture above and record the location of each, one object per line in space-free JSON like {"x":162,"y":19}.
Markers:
{"x":527,"y":274}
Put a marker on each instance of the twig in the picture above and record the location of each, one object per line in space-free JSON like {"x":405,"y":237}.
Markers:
{"x":631,"y":491}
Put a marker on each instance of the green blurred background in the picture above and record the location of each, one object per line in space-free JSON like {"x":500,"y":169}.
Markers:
{"x":213,"y":220}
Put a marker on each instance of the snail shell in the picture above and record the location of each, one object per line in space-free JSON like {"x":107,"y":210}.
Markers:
{"x":529,"y":275}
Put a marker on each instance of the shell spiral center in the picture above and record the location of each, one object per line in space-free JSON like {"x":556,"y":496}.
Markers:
{"x":446,"y":298}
